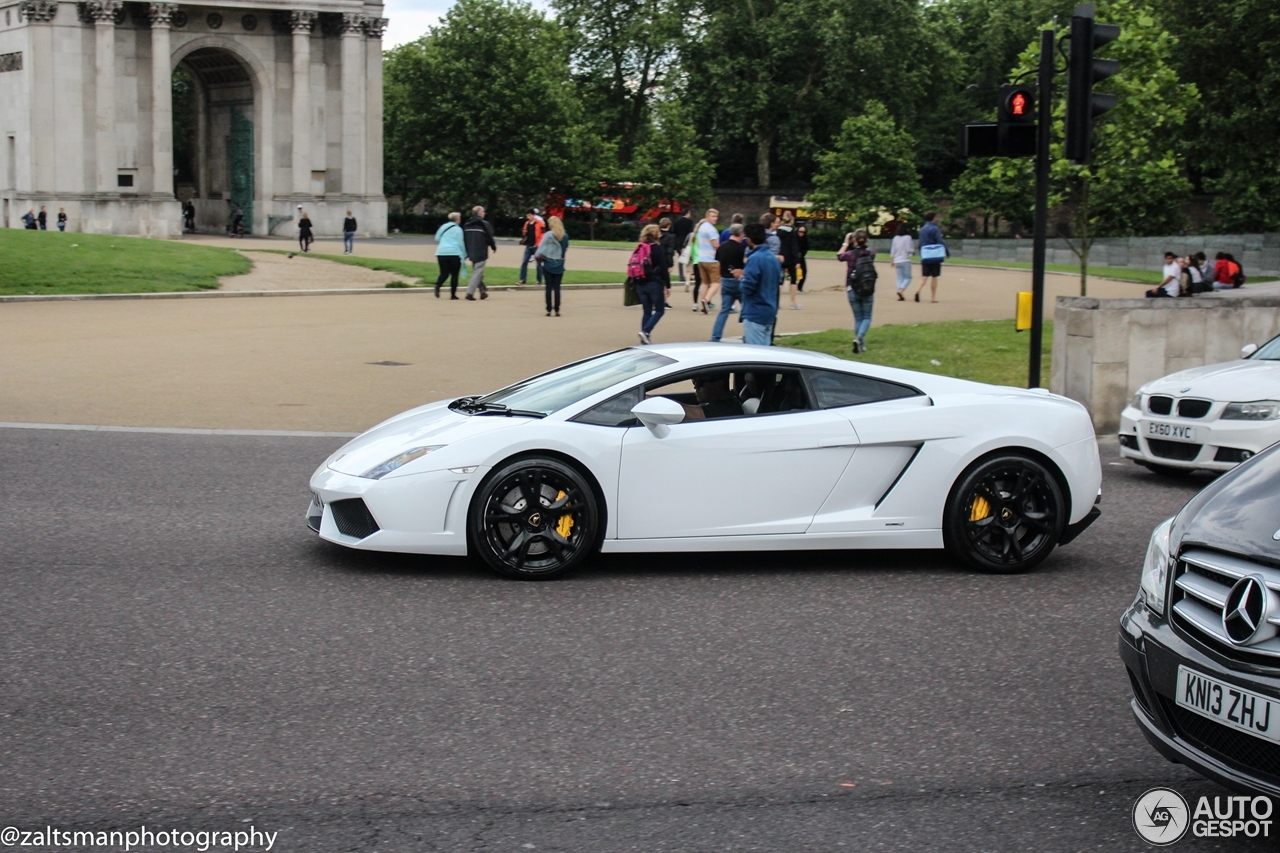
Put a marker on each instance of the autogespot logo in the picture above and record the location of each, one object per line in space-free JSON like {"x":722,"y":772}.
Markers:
{"x":1160,"y":816}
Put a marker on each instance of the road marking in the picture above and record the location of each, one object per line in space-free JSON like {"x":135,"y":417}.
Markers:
{"x":269,"y":433}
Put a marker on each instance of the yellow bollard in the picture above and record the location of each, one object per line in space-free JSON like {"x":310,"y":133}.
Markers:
{"x":1022,"y":315}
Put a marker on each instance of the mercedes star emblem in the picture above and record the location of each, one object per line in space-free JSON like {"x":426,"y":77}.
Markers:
{"x":1246,"y":609}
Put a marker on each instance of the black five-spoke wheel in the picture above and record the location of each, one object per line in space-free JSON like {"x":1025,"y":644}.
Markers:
{"x":534,"y":519}
{"x":1005,"y":514}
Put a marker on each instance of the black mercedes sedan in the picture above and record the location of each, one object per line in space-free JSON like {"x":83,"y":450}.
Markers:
{"x":1201,"y":641}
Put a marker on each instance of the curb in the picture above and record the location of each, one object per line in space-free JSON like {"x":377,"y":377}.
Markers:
{"x":265,"y":433}
{"x":231,"y":294}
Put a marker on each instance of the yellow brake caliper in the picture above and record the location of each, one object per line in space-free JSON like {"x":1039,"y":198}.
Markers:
{"x":980,"y":509}
{"x":565,"y":524}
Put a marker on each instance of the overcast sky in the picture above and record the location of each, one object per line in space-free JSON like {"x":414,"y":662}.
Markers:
{"x":410,"y":19}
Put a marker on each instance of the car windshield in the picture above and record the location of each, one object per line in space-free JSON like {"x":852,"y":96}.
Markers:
{"x":564,"y":386}
{"x":1270,"y":351}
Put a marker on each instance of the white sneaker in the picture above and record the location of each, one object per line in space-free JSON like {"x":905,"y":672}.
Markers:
{"x":644,"y":339}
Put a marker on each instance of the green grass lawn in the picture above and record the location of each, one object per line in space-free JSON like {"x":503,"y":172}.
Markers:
{"x":981,"y":350}
{"x":426,"y":271}
{"x":51,"y":262}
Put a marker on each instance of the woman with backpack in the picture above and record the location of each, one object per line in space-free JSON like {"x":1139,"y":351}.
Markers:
{"x":550,"y":255}
{"x":648,"y":268}
{"x":860,"y":284}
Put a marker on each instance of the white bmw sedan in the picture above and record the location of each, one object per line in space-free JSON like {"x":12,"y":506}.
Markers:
{"x":707,"y":447}
{"x":1212,"y":417}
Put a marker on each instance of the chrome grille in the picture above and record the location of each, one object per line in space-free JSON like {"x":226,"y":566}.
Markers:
{"x":1202,"y":579}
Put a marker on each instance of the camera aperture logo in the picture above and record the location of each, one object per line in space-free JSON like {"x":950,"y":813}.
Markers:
{"x":1161,"y":817}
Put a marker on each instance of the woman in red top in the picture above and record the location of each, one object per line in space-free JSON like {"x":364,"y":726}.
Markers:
{"x":1225,"y":270}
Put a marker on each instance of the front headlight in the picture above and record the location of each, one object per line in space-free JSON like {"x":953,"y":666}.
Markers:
{"x":1259,"y":410}
{"x":1136,"y":402}
{"x":1155,"y":569}
{"x":377,"y":472}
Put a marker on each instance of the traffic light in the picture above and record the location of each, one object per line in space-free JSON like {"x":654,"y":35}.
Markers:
{"x":1083,"y":70}
{"x":1017,"y":104}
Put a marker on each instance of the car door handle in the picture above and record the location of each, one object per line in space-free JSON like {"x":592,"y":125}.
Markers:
{"x":844,"y":441}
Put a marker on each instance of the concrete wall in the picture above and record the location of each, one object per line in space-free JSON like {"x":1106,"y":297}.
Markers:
{"x":1105,"y":349}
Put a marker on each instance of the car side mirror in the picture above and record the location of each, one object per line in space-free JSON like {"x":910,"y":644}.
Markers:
{"x":657,"y":413}
{"x":1248,"y":350}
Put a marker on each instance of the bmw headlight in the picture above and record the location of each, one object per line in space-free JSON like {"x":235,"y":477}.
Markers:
{"x":1155,"y":569}
{"x":377,"y":472}
{"x":1259,"y":410}
{"x":1136,"y":402}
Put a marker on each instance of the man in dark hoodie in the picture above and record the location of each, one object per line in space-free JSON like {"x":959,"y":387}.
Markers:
{"x":478,"y":234}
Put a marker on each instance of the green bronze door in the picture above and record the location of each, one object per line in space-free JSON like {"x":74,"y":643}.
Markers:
{"x":240,"y":165}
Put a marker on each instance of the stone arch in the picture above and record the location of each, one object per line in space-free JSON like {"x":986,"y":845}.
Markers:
{"x":212,"y":212}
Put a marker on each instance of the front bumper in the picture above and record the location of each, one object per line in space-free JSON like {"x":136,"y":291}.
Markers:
{"x":1219,"y":445}
{"x":1152,"y":651}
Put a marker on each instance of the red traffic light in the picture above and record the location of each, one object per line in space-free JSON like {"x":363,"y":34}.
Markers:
{"x":1017,"y":104}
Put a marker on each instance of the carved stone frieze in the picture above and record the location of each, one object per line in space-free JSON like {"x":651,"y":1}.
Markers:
{"x":41,"y":11}
{"x":161,"y":14}
{"x":375,"y":27}
{"x":302,"y":22}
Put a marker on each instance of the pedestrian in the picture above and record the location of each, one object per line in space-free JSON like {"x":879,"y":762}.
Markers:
{"x":649,"y":266}
{"x":790,"y":253}
{"x":708,"y":270}
{"x":732,"y":259}
{"x":1225,"y":272}
{"x":550,"y":259}
{"x":478,"y":234}
{"x":736,"y":219}
{"x":1171,"y":283}
{"x":349,"y":234}
{"x":189,"y":216}
{"x":62,"y":219}
{"x":859,"y":284}
{"x":770,"y":223}
{"x":305,"y":237}
{"x":760,"y":282}
{"x":43,"y":218}
{"x":531,"y":231}
{"x":682,"y":228}
{"x":30,"y":219}
{"x":450,"y":250}
{"x":900,"y":252}
{"x":668,"y":241}
{"x":933,"y":250}
{"x":802,"y":246}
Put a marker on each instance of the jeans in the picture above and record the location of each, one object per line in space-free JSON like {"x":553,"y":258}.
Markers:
{"x":727,"y":298}
{"x":450,"y":267}
{"x":861,"y":306}
{"x":348,"y":241}
{"x":553,"y":291}
{"x":757,"y":333}
{"x":529,"y":252}
{"x":653,"y":300}
{"x":903,"y":269}
{"x":62,"y":226}
{"x":476,"y":281}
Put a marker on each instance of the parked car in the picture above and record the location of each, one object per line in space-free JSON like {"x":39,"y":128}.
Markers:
{"x":1200,"y":640}
{"x":711,"y":447}
{"x":1211,"y":417}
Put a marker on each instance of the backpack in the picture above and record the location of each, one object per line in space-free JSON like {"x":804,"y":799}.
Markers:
{"x":639,"y":265}
{"x":1239,"y":278}
{"x":863,"y":275}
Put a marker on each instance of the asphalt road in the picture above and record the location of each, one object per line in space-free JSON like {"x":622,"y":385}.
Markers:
{"x":179,"y":651}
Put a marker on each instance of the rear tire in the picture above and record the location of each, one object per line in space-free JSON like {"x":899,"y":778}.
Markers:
{"x":1004,"y":515}
{"x":534,"y":519}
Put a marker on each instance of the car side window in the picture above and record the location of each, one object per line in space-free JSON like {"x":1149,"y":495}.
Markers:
{"x":836,"y":389}
{"x":614,"y":412}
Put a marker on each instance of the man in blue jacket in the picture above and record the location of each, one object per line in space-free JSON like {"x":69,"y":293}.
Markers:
{"x":759,"y":287}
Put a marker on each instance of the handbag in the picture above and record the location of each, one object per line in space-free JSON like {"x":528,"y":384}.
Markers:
{"x":629,"y":295}
{"x":933,"y":252}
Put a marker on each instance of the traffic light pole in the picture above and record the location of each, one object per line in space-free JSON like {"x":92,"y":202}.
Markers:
{"x":1045,"y":85}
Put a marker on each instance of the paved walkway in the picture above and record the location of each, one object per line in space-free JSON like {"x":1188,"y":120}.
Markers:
{"x":320,"y":362}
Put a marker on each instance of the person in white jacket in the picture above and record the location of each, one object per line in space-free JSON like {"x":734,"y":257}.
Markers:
{"x":900,"y":252}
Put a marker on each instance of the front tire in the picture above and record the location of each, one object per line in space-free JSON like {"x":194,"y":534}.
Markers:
{"x":535,"y":519}
{"x":1004,"y":515}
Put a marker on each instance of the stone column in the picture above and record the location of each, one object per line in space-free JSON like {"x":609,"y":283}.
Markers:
{"x":301,"y":23}
{"x":103,"y":13}
{"x":374,"y":28}
{"x":161,"y":101}
{"x":40,"y":67}
{"x":353,"y":94}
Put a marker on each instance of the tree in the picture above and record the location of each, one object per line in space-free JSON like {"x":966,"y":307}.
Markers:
{"x":622,"y":53}
{"x":871,"y":169}
{"x":669,"y":165}
{"x":1003,"y":188}
{"x":482,"y":108}
{"x":1230,"y":49}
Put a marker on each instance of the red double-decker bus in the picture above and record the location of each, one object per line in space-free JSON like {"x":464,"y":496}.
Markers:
{"x":616,"y":203}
